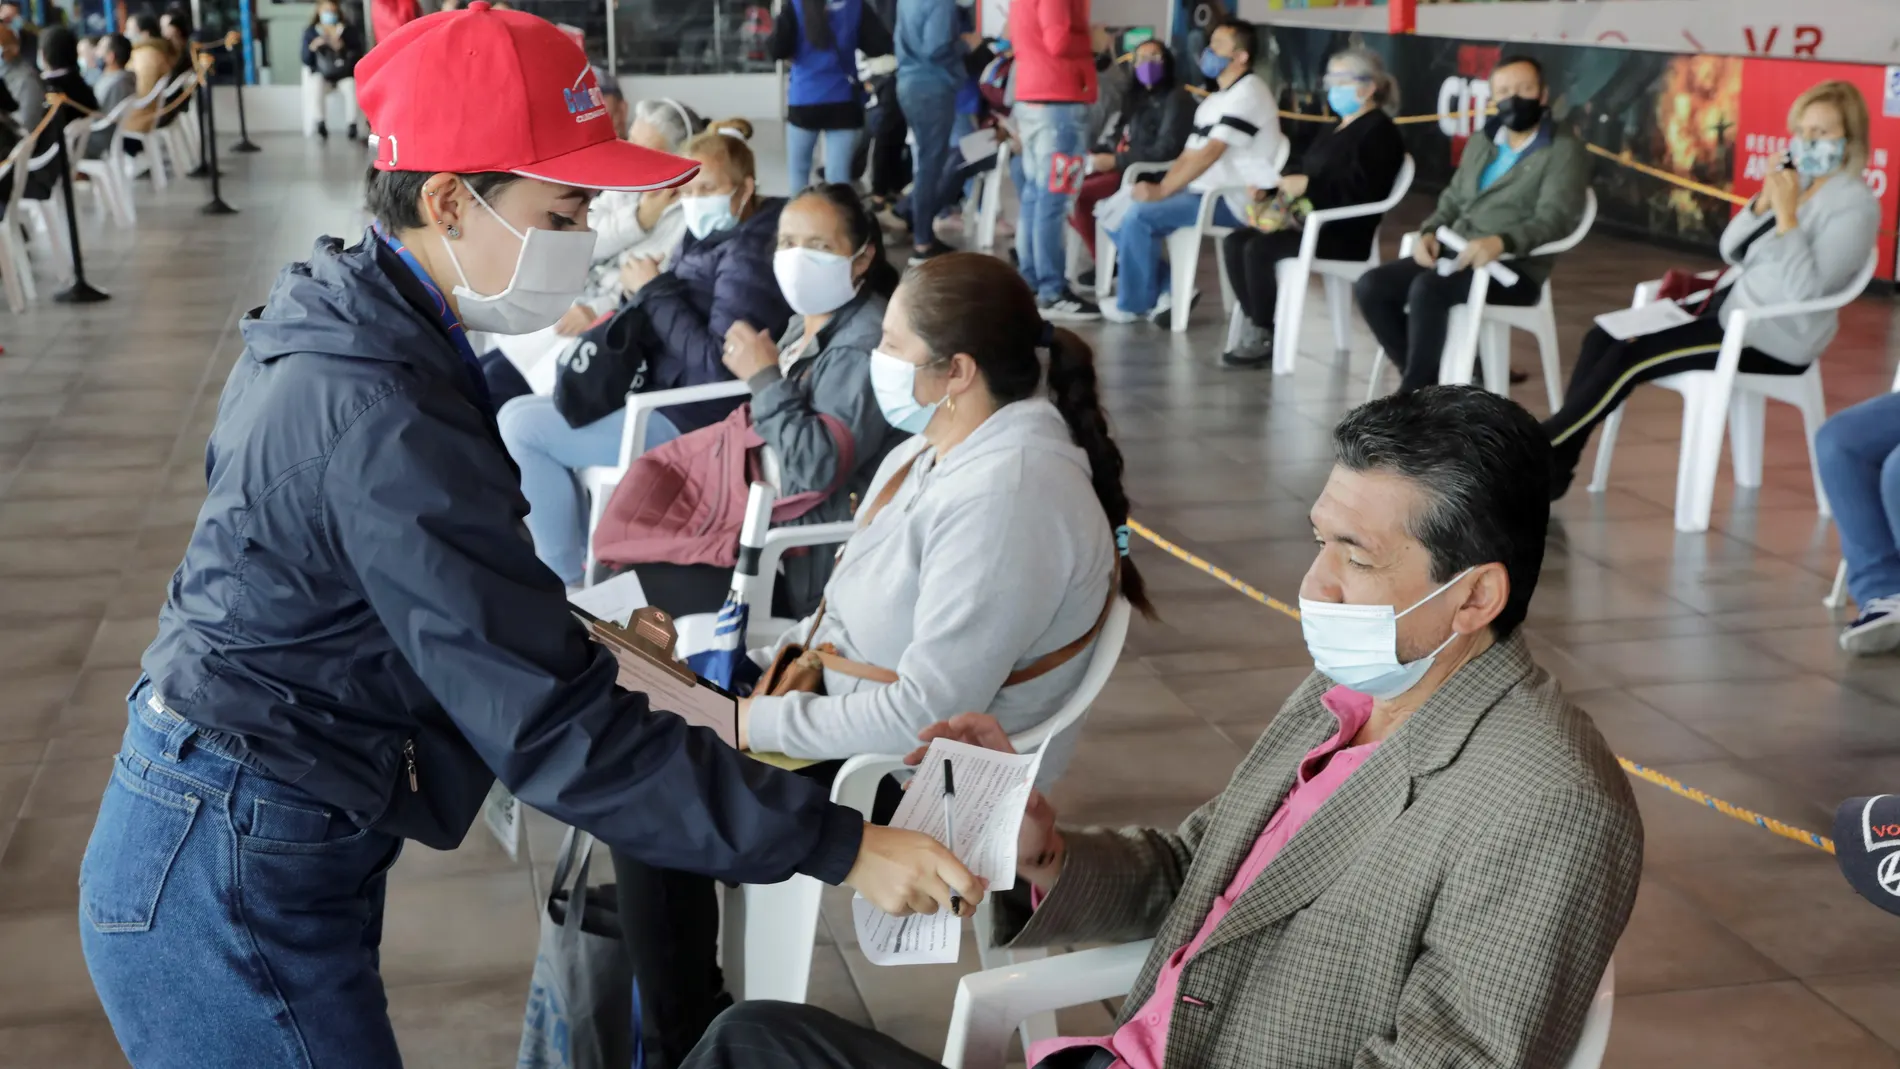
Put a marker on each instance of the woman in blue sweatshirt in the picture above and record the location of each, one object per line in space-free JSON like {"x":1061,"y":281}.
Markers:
{"x":820,"y":39}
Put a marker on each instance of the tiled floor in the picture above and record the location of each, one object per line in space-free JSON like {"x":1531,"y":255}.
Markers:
{"x":1708,"y":657}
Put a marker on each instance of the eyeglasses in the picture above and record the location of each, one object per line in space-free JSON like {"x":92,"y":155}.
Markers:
{"x":1332,"y":80}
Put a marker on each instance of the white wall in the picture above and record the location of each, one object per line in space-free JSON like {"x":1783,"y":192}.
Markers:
{"x":715,"y":96}
{"x":1862,"y":31}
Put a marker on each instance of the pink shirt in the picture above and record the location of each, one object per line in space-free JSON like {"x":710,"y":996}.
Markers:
{"x":1142,"y":1043}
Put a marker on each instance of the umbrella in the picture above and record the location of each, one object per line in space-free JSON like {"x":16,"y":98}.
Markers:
{"x":724,"y":660}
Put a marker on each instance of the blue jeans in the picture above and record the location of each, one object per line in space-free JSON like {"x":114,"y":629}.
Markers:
{"x":228,"y":919}
{"x":1139,"y":279}
{"x":550,"y":455}
{"x":931,"y":111}
{"x":1858,"y":452}
{"x":801,"y":144}
{"x":1052,"y":136}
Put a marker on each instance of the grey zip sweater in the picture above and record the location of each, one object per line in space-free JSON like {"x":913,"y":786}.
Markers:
{"x":982,"y":562}
{"x":1835,"y":230}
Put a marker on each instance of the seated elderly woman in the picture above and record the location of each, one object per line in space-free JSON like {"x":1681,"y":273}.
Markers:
{"x":669,"y":332}
{"x":630,"y":224}
{"x":1803,"y":236}
{"x":984,"y":566}
{"x":811,"y":405}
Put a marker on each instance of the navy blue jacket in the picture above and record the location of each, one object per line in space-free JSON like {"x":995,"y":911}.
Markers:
{"x":717,"y":280}
{"x":359,"y":586}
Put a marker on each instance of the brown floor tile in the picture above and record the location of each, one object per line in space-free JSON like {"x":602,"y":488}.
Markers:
{"x":1770,"y":717}
{"x":428,"y":931}
{"x":1671,"y":945}
{"x":56,"y":986}
{"x":1797,"y":911}
{"x":1873,"y":999}
{"x":1753,"y":1026}
{"x":459,"y":1024}
{"x":83,"y":1042}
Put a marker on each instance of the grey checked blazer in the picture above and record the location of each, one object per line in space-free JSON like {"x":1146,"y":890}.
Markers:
{"x":1454,"y":904}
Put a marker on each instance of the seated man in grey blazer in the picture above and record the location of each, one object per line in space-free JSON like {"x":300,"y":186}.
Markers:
{"x":1425,"y":861}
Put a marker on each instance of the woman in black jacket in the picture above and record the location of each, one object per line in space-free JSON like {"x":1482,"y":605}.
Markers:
{"x":1355,"y":162}
{"x":1153,"y":128}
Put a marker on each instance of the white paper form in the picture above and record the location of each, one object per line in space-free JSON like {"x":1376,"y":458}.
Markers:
{"x":1651,"y":318}
{"x":1452,"y":240}
{"x":614,"y":599}
{"x":992,"y":792}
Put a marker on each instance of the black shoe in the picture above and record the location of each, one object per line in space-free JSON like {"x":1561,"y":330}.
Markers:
{"x":1250,"y":357}
{"x":931,"y":251}
{"x":323,"y":130}
{"x":1069,"y":308}
{"x":353,"y":133}
{"x":1087,"y":281}
{"x":1519,"y":378}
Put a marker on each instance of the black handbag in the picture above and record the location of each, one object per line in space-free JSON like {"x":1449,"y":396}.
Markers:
{"x":606,"y":363}
{"x":333,"y":65}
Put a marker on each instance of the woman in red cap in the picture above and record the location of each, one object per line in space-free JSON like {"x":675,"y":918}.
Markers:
{"x":360,"y":638}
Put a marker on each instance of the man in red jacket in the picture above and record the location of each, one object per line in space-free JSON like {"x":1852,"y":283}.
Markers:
{"x":388,"y":16}
{"x":1055,"y":84}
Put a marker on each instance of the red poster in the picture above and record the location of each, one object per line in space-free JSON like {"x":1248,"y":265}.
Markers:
{"x":1769,"y":88}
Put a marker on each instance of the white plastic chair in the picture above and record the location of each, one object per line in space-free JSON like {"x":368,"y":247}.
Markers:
{"x":151,"y":143}
{"x":47,"y":216}
{"x":1104,"y":244}
{"x":1184,"y":248}
{"x":1837,"y":595}
{"x":1478,"y":328}
{"x":777,"y":924}
{"x":111,"y":194}
{"x":986,"y":201}
{"x":179,"y":128}
{"x":16,"y":273}
{"x":1293,"y":276}
{"x":989,"y":1003}
{"x":1711,"y":400}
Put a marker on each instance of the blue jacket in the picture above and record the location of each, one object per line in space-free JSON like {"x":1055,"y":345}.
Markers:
{"x":717,"y":280}
{"x":826,"y":75}
{"x":359,"y":598}
{"x":929,"y":50}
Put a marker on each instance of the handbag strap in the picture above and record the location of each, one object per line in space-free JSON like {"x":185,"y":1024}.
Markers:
{"x":884,"y":495}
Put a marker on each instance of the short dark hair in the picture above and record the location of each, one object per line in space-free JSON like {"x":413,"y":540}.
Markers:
{"x":59,"y":48}
{"x":392,"y":195}
{"x":1482,"y":464}
{"x":180,"y":17}
{"x":120,"y":47}
{"x":1517,"y":58}
{"x":1246,"y":37}
{"x":147,"y":23}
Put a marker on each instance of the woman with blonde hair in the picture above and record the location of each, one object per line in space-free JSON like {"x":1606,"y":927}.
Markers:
{"x":1803,"y":236}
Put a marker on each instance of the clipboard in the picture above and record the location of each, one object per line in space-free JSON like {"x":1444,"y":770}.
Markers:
{"x":644,"y":651}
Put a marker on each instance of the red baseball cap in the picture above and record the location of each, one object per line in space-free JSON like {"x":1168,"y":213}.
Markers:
{"x":484,"y":90}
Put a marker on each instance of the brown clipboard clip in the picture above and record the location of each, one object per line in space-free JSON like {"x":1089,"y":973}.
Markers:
{"x":649,"y":635}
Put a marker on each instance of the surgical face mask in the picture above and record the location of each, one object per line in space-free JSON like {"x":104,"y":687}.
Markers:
{"x":708,"y":214}
{"x":329,"y":18}
{"x":550,"y":274}
{"x":894,"y":384}
{"x":1814,"y":157}
{"x":1520,"y":113}
{"x":1213,"y":64}
{"x":814,"y":281}
{"x":1149,"y":72}
{"x":1357,"y":646}
{"x":1344,"y":100}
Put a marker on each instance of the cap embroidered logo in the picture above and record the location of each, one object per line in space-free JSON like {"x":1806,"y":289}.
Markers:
{"x":585,"y":102}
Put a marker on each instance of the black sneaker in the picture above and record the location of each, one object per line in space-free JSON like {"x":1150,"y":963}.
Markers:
{"x":931,"y":251}
{"x":1087,"y":281}
{"x":1069,"y":308}
{"x":323,"y":130}
{"x":353,"y":133}
{"x":1251,"y":356}
{"x":1876,"y":629}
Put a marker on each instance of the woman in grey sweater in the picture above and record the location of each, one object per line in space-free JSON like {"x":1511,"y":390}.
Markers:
{"x":986,"y":545}
{"x":1804,"y":236}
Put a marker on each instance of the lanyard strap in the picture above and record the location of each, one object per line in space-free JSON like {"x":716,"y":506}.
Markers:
{"x":451,"y":324}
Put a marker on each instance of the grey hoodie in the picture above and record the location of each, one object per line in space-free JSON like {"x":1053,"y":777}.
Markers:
{"x":984,"y":561}
{"x":1818,"y":257}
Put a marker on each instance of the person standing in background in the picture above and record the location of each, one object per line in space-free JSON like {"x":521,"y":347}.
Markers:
{"x":1055,"y":82}
{"x":388,"y":16}
{"x":821,"y":40}
{"x":929,"y":70}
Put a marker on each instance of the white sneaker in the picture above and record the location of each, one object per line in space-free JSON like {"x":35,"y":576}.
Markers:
{"x":1876,"y":629}
{"x":1115,"y":313}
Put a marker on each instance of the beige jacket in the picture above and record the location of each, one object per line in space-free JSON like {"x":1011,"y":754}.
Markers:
{"x":151,"y":64}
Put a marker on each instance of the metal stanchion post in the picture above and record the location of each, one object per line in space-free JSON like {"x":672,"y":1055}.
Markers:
{"x":216,"y":206}
{"x":81,"y":291}
{"x":240,"y":73}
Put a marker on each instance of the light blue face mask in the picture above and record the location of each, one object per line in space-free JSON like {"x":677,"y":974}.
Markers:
{"x":1213,"y":64}
{"x":1814,"y":158}
{"x":709,"y":214}
{"x":329,"y":18}
{"x":894,"y":384}
{"x":1357,"y":646}
{"x":1344,"y":100}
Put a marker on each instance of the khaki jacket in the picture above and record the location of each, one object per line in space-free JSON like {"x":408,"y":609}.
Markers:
{"x":151,"y":63}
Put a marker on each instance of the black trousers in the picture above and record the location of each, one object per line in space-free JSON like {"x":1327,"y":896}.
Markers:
{"x":670,"y":923}
{"x":1409,"y":308}
{"x":783,"y":1035}
{"x":1253,"y":256}
{"x":1608,"y":369}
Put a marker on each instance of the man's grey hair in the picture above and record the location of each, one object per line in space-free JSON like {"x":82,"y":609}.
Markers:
{"x":1482,"y":465}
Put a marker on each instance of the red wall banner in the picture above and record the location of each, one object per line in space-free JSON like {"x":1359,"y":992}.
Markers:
{"x":1769,"y":88}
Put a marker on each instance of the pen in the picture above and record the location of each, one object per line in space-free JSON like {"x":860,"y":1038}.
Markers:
{"x":950,"y":826}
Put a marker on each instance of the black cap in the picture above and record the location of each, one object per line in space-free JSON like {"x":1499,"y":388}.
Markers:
{"x":1867,"y":846}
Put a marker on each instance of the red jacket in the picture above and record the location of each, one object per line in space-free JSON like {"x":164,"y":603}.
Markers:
{"x":388,"y":16}
{"x":1054,"y":64}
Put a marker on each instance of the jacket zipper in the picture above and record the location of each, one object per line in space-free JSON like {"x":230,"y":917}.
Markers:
{"x":409,"y":763}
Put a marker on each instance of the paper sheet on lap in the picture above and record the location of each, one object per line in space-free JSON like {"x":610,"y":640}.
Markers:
{"x":1652,"y":318}
{"x":992,"y":790}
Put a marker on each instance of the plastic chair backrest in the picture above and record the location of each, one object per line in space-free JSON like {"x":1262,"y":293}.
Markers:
{"x":152,"y":97}
{"x":1596,"y":1023}
{"x":1575,"y":237}
{"x":1102,"y":658}
{"x":39,"y":162}
{"x":12,"y":165}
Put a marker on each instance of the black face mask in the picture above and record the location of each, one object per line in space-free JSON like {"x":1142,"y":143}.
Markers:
{"x":1519,"y":114}
{"x":1103,"y":61}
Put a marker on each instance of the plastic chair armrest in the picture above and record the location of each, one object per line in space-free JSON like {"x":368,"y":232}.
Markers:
{"x":780,"y":539}
{"x":990,"y":1004}
{"x":633,"y":435}
{"x":1135,"y":170}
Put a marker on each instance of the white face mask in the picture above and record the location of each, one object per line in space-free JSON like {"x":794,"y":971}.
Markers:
{"x":894,"y":384}
{"x":550,"y":274}
{"x":1357,"y":646}
{"x":708,"y":214}
{"x":814,"y":282}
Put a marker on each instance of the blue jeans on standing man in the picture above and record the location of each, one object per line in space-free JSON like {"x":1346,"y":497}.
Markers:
{"x":1052,"y":137}
{"x":801,"y":144}
{"x":550,"y":454}
{"x":931,"y":110}
{"x":1140,"y":280}
{"x":228,"y":918}
{"x":1858,"y":452}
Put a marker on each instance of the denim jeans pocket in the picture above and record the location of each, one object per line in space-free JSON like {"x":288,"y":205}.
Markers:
{"x":141,"y":826}
{"x":283,"y":826}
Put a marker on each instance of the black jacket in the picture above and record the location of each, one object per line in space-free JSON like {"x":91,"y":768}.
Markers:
{"x":1351,"y":164}
{"x":359,"y":585}
{"x":1159,"y":123}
